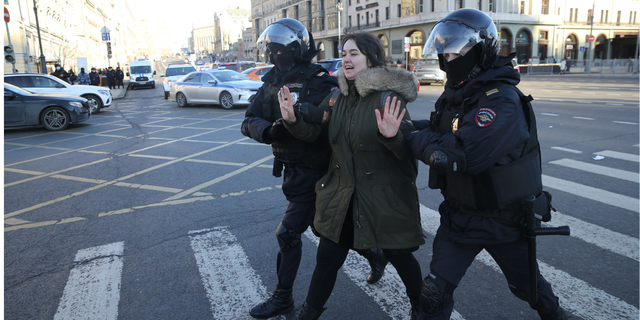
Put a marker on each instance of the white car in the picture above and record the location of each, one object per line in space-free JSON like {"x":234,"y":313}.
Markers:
{"x":98,"y":97}
{"x":173,"y":73}
{"x":224,"y":87}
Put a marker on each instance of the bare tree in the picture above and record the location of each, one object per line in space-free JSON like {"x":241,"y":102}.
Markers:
{"x":65,"y":53}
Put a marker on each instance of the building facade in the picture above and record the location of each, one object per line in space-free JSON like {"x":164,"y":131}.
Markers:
{"x":229,"y":26}
{"x":204,"y":40}
{"x":537,"y":30}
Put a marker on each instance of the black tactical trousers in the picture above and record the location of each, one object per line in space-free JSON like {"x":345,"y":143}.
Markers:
{"x":299,"y":216}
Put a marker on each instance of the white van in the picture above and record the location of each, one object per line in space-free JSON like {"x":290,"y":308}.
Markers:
{"x":141,"y":74}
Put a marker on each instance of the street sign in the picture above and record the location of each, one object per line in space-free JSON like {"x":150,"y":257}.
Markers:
{"x":105,"y":30}
{"x":6,"y":15}
{"x":407,"y":39}
{"x":106,"y":37}
{"x":583,"y":49}
{"x":407,"y":47}
{"x":591,"y":38}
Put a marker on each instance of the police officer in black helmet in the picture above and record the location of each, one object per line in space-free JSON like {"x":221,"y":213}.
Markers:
{"x":290,"y":48}
{"x":483,"y":154}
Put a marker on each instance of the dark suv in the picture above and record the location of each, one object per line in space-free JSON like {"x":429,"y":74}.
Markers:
{"x":236,"y":66}
{"x":332,"y":65}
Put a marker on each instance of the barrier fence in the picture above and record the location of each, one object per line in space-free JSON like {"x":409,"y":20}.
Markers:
{"x":595,"y":67}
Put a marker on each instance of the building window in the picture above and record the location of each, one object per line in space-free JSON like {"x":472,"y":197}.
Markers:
{"x":589,"y":16}
{"x":284,"y":13}
{"x":606,"y":16}
{"x":349,"y":2}
{"x":457,"y":4}
{"x":602,"y":16}
{"x":618,"y":18}
{"x":399,"y":10}
{"x":545,"y":7}
{"x":634,"y":17}
{"x":387,"y":13}
{"x":420,"y":6}
{"x":350,"y":22}
{"x":295,"y":12}
{"x":575,"y":15}
{"x":377,"y":16}
{"x":492,"y":5}
{"x":480,"y":5}
{"x":358,"y":19}
{"x":544,"y":35}
{"x":433,"y":5}
{"x":521,"y":7}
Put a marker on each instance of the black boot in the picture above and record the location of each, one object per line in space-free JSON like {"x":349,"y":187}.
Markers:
{"x":309,"y":313}
{"x":280,"y":303}
{"x":559,"y":314}
{"x":415,"y":308}
{"x":378,"y":262}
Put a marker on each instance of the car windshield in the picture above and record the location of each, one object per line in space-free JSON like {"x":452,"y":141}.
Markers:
{"x":179,"y":70}
{"x":17,"y":90}
{"x":140,"y":69}
{"x":226,"y":76}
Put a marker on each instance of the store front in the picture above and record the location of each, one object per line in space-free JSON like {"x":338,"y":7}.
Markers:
{"x":523,"y":46}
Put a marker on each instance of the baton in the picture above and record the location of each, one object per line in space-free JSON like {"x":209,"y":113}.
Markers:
{"x":530,"y":234}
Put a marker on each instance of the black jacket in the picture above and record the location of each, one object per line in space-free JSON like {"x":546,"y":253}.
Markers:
{"x":95,"y":78}
{"x":484,"y":143}
{"x":299,"y":176}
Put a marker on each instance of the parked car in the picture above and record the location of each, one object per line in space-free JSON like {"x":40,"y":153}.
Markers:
{"x":236,"y":66}
{"x":54,"y":112}
{"x":332,"y":65}
{"x":43,"y":83}
{"x":224,"y":87}
{"x":427,"y":70}
{"x":257,"y":72}
{"x":173,"y":73}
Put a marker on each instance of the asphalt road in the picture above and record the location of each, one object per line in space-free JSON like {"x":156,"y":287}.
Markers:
{"x":150,"y":211}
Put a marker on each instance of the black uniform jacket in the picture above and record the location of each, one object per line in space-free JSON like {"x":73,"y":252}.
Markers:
{"x":299,"y":179}
{"x":493,"y":132}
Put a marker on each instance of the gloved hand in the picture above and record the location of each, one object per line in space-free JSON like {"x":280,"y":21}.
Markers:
{"x":445,"y":160}
{"x":310,"y":113}
{"x":276,"y":131}
{"x":406,"y":127}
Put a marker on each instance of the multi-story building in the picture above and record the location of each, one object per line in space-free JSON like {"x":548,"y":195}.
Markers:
{"x":154,"y":39}
{"x":248,"y":45}
{"x":69,"y":30}
{"x":204,"y":40}
{"x":228,"y":27}
{"x":534,"y":29}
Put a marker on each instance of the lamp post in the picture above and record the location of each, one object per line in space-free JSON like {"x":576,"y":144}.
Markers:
{"x":339,"y":8}
{"x":590,"y":54}
{"x":43,"y":63}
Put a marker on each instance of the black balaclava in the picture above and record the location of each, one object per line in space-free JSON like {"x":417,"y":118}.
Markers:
{"x":286,"y":60}
{"x":461,"y":67}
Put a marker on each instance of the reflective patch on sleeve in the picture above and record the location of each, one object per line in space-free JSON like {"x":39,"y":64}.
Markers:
{"x":485,"y":117}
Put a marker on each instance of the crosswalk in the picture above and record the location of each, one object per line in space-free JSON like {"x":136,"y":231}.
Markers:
{"x":232,"y":283}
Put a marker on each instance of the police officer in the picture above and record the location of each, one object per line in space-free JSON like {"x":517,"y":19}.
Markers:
{"x":482,"y":148}
{"x":290,"y":47}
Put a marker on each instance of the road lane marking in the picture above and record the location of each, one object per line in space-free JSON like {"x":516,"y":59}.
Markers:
{"x":389,"y":292}
{"x":601,"y":170}
{"x":15,"y":221}
{"x":576,"y":295}
{"x":591,"y":193}
{"x":619,"y":155}
{"x":93,"y":288}
{"x":614,"y":104}
{"x":550,"y":114}
{"x":583,"y":118}
{"x":232,"y":285}
{"x":624,"y":122}
{"x":224,"y":163}
{"x":218,"y":179}
{"x":29,"y":172}
{"x":148,"y":187}
{"x":566,"y":149}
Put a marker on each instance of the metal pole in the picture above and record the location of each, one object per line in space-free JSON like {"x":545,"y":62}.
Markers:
{"x":13,"y":64}
{"x":339,"y":7}
{"x":43,"y":63}
{"x":590,"y":55}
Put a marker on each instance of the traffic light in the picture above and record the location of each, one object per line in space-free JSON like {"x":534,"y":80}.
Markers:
{"x":9,"y":55}
{"x":109,"y":48}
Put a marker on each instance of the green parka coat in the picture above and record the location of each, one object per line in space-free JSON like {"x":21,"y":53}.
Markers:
{"x":369,"y":172}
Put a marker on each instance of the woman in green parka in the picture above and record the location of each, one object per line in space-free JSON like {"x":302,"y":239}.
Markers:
{"x":368,"y":198}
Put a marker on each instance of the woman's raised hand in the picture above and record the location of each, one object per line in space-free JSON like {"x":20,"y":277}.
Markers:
{"x":388,"y":117}
{"x":286,"y":104}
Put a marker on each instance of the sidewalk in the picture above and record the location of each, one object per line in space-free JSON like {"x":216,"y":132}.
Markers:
{"x":119,"y":93}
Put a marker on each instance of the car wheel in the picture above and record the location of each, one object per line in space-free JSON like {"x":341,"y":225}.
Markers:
{"x":226,"y":100}
{"x":55,"y":119}
{"x":166,"y":95}
{"x":95,"y":103}
{"x":153,"y":86}
{"x":181,"y":100}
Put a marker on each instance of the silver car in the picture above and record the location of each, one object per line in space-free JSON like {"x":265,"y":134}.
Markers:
{"x":428,"y":71}
{"x":224,"y":87}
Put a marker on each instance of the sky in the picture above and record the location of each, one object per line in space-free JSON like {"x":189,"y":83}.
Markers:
{"x":182,"y":14}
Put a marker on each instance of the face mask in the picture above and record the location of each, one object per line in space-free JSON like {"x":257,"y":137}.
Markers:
{"x":283,"y":62}
{"x":459,"y":68}
{"x":57,"y":68}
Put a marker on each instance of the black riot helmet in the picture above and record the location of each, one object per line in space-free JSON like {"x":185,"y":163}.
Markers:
{"x":287,"y":35}
{"x":469,"y":33}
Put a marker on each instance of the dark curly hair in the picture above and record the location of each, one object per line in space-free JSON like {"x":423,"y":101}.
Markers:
{"x":370,"y":46}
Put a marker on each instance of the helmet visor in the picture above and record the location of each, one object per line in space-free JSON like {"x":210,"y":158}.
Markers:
{"x":451,"y":37}
{"x":281,"y":34}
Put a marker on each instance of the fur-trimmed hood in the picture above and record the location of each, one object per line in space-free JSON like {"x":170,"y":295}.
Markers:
{"x":400,"y":81}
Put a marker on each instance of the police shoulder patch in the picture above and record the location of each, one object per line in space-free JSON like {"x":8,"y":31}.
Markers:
{"x":485,"y":117}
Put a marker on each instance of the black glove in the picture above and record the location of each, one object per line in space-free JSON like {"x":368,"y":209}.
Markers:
{"x":275,"y":131}
{"x":310,"y":113}
{"x":406,"y":127}
{"x":445,"y":160}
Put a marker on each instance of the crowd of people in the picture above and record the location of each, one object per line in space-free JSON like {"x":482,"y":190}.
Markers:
{"x":114,"y":77}
{"x":347,"y":150}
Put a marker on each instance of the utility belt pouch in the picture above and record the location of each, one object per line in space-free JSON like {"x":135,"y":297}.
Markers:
{"x":542,"y":206}
{"x":278,"y":166}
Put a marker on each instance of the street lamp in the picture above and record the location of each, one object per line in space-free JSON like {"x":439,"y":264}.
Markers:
{"x":339,"y":8}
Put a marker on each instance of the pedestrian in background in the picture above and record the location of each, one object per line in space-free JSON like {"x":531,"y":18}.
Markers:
{"x":83,"y":78}
{"x":111,"y":78}
{"x":481,"y":138}
{"x":95,"y":77}
{"x":563,"y":66}
{"x":119,"y":78}
{"x":291,"y":48}
{"x":72,"y":76}
{"x":60,"y":73}
{"x":368,"y":198}
{"x":568,"y":63}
